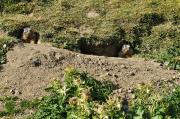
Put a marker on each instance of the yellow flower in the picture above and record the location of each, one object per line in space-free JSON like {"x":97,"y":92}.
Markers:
{"x":147,"y":91}
{"x":86,"y":94}
{"x":73,"y":101}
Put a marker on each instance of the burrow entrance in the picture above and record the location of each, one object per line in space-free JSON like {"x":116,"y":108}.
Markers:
{"x":99,"y":48}
{"x":122,"y":49}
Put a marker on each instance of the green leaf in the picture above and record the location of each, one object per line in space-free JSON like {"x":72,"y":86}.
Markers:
{"x":157,"y":117}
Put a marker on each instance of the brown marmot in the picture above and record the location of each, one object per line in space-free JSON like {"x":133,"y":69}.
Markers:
{"x":30,"y":35}
{"x":126,"y":51}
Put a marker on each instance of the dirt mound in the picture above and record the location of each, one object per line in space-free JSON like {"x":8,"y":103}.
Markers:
{"x":31,"y":68}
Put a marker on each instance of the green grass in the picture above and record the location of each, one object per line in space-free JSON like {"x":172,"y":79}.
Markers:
{"x":152,"y":26}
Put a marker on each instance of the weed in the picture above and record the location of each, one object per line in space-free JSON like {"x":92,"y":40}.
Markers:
{"x":152,"y":19}
{"x":5,"y":44}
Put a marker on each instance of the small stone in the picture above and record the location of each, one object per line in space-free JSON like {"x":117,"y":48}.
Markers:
{"x":109,"y":74}
{"x":17,"y":92}
{"x":123,"y":66}
{"x":130,"y":91}
{"x":120,"y":90}
{"x":13,"y":91}
{"x":116,"y":76}
{"x":105,"y":69}
{"x":36,"y":62}
{"x":174,"y":77}
{"x":132,"y":74}
{"x":161,"y":64}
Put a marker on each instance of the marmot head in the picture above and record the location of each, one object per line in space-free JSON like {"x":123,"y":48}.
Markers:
{"x":27,"y":30}
{"x":126,"y":51}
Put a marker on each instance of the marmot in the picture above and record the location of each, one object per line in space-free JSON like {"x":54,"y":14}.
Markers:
{"x":126,"y":51}
{"x":30,"y":35}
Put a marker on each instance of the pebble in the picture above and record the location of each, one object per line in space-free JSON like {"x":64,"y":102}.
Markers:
{"x":132,"y":74}
{"x":109,"y":74}
{"x":123,"y":66}
{"x":36,"y":62}
{"x":120,"y":90}
{"x":116,"y":76}
{"x":130,"y":91}
{"x":15,"y":92}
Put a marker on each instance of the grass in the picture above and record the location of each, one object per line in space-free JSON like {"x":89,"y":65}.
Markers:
{"x":152,"y":26}
{"x":83,"y":97}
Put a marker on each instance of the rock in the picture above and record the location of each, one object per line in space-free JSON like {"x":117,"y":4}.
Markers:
{"x":36,"y":62}
{"x":17,"y":92}
{"x":109,"y":74}
{"x":120,"y":90}
{"x":148,"y":69}
{"x":59,"y":57}
{"x":116,"y":76}
{"x":13,"y":91}
{"x":161,"y":64}
{"x":123,"y":67}
{"x":130,"y":90}
{"x":174,"y":78}
{"x":132,"y":74}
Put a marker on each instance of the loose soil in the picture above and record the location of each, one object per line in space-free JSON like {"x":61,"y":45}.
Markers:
{"x":30,"y":68}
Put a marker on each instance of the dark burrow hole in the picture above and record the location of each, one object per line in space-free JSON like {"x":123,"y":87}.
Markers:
{"x":122,"y":49}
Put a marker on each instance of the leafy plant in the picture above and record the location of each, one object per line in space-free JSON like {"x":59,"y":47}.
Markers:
{"x":171,"y":56}
{"x":75,"y":98}
{"x":150,"y":104}
{"x":5,"y":44}
{"x":152,"y":19}
{"x":66,"y":43}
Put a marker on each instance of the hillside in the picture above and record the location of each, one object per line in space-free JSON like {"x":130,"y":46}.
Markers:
{"x":31,"y":68}
{"x":151,"y":26}
{"x":23,"y":73}
{"x":77,"y":70}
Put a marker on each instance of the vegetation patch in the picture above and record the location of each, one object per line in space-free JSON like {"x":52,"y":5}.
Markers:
{"x":81,"y":96}
{"x":5,"y":44}
{"x":143,"y":23}
{"x":163,"y":45}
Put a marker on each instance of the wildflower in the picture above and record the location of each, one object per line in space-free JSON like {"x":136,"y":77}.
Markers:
{"x":86,"y":95}
{"x":73,"y":101}
{"x":4,"y":46}
{"x":119,"y":106}
{"x":147,"y":91}
{"x":106,"y":117}
{"x":77,"y":82}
